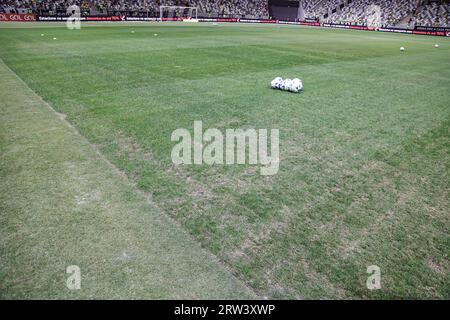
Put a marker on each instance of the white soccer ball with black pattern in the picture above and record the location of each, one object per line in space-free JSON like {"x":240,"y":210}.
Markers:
{"x":296,"y":85}
{"x":276,"y":83}
{"x":287,"y":84}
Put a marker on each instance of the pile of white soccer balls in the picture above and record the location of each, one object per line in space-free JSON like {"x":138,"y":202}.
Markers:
{"x":292,"y":85}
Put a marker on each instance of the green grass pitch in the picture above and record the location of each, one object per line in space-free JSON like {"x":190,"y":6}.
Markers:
{"x":363,"y":179}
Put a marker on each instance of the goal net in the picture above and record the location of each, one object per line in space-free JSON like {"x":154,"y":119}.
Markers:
{"x":177,"y":12}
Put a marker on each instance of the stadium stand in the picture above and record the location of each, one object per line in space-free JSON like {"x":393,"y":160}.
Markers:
{"x":232,"y":8}
{"x":433,"y":14}
{"x":407,"y":13}
{"x":400,"y":13}
{"x":392,"y":11}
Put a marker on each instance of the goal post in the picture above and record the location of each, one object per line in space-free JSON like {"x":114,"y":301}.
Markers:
{"x":174,"y":12}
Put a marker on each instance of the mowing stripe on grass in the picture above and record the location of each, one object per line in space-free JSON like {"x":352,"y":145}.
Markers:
{"x":62,"y":204}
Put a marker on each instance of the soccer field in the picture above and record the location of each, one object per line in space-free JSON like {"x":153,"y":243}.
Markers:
{"x":364,"y":154}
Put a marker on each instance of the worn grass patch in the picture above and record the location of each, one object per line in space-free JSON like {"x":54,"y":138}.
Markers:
{"x":63,"y":204}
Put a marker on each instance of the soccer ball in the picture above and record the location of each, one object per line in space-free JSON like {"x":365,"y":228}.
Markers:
{"x":402,"y":48}
{"x":276,"y":83}
{"x":436,"y":45}
{"x":296,"y":85}
{"x":287,"y":84}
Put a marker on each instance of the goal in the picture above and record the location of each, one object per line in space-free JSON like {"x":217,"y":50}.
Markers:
{"x":177,"y":12}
